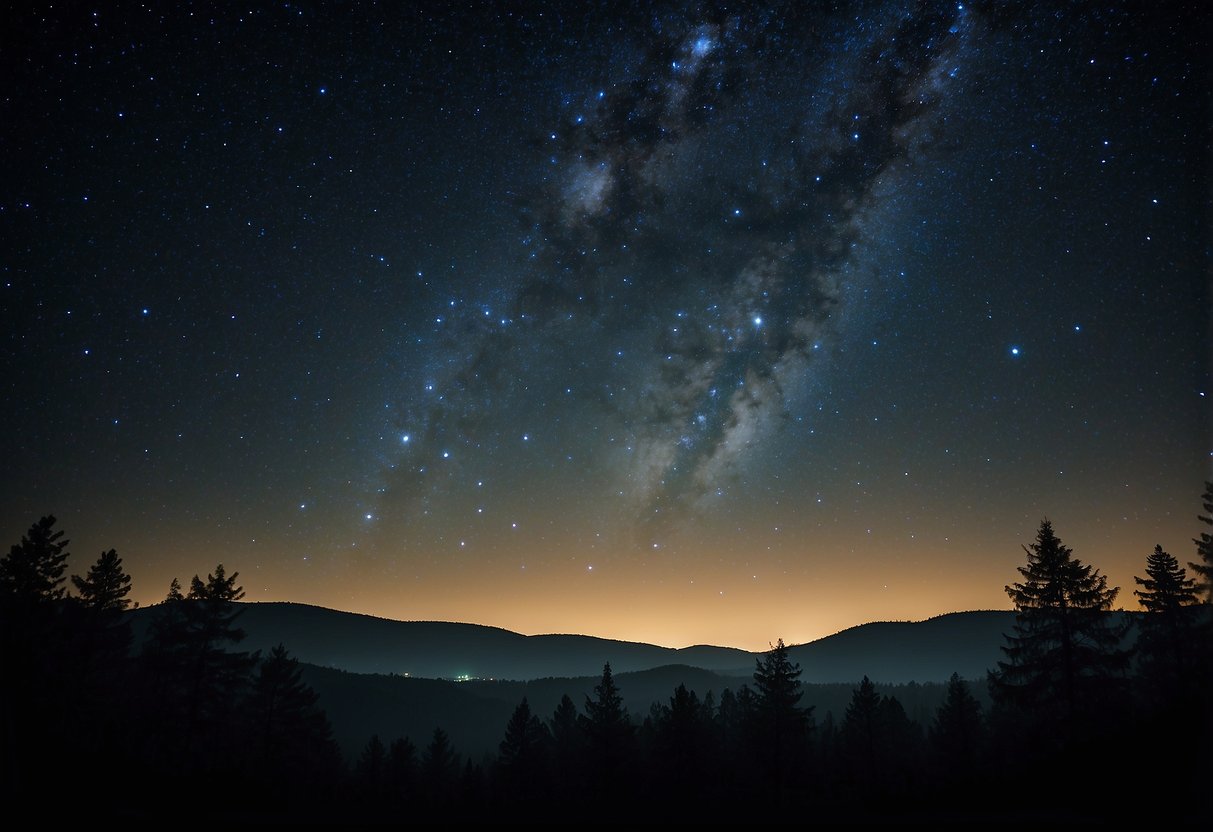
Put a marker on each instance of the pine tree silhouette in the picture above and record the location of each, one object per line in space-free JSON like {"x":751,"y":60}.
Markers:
{"x":102,"y":636}
{"x":370,"y":770}
{"x":524,"y":753}
{"x":200,"y":681}
{"x":1203,"y":567}
{"x":38,"y":655}
{"x":33,"y":570}
{"x":440,"y":770}
{"x":290,"y":732}
{"x":567,"y":749}
{"x":684,"y":741}
{"x":958,"y":733}
{"x":781,"y":725}
{"x":1064,"y":657}
{"x":106,"y":585}
{"x":609,"y":734}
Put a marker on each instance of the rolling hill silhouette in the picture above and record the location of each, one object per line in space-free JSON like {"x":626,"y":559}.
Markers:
{"x":891,"y":652}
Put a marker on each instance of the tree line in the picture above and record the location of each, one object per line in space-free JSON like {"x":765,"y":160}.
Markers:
{"x":1084,"y":701}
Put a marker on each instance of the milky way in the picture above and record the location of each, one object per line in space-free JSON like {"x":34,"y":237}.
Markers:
{"x":662,"y":320}
{"x":688,"y":239}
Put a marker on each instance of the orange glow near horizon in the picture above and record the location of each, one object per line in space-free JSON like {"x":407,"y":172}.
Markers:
{"x":685,"y":601}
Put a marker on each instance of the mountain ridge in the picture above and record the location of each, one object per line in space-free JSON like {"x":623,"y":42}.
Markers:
{"x":888,"y":651}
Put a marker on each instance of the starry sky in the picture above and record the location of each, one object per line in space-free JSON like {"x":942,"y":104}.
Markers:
{"x":674,"y":322}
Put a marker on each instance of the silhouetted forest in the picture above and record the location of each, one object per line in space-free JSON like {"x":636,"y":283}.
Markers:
{"x":187,"y":726}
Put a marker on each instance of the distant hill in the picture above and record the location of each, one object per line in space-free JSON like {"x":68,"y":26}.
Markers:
{"x":909,"y":651}
{"x":888,"y":652}
{"x":443,"y":650}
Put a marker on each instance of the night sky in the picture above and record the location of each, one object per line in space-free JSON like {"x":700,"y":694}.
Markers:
{"x":683,"y":323}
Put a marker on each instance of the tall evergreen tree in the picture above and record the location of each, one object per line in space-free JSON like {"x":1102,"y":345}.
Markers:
{"x":563,"y":725}
{"x":608,"y":731}
{"x":440,"y":769}
{"x":734,"y":737}
{"x":218,"y":588}
{"x":33,"y":570}
{"x":371,"y":766}
{"x":1169,"y":645}
{"x":211,"y":624}
{"x":683,"y":741}
{"x":1166,"y":587}
{"x":290,"y":732}
{"x":861,"y":734}
{"x":957,"y":733}
{"x":1203,"y":568}
{"x":1065,"y":655}
{"x":878,"y":744}
{"x":567,"y":746}
{"x":731,"y":720}
{"x":103,"y":634}
{"x":165,"y":639}
{"x":781,"y":725}
{"x":38,"y":705}
{"x":106,"y":585}
{"x":201,"y":680}
{"x":524,"y":752}
{"x":50,"y":699}
{"x":605,"y":712}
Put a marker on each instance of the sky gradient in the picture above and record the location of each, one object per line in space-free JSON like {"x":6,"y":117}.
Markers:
{"x":685,"y":323}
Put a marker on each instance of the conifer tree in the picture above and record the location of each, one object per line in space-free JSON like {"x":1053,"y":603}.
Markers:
{"x":439,"y":769}
{"x":371,"y":765}
{"x":608,"y":731}
{"x":605,"y":712}
{"x":211,"y":627}
{"x":165,"y":637}
{"x":1171,"y":637}
{"x":957,"y":731}
{"x":524,"y":751}
{"x":1166,"y":587}
{"x":1065,"y":652}
{"x":683,"y":741}
{"x":861,"y":729}
{"x":730,"y":727}
{"x":103,"y":635}
{"x":33,"y":570}
{"x":38,"y":707}
{"x":567,"y":743}
{"x":290,"y":731}
{"x":878,"y":743}
{"x":106,"y":585}
{"x":781,"y":725}
{"x":1203,"y":567}
{"x":565,"y":725}
{"x":201,"y":681}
